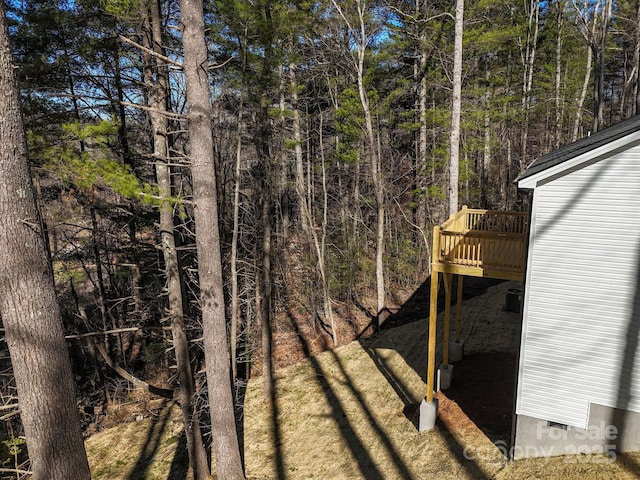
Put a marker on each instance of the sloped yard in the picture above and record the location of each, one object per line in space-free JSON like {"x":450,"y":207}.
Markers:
{"x":351,"y":413}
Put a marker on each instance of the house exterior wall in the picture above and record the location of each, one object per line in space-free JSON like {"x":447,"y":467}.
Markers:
{"x":610,"y":431}
{"x":580,"y":342}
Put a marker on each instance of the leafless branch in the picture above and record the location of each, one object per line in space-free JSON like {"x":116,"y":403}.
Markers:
{"x":15,"y":470}
{"x":162,"y":392}
{"x":149,"y":109}
{"x":220,"y":65}
{"x":149,"y":51}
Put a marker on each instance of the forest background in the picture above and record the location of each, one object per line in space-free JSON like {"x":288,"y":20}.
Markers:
{"x":332,"y":129}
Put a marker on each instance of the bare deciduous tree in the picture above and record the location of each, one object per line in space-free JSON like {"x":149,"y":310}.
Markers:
{"x":456,"y":104}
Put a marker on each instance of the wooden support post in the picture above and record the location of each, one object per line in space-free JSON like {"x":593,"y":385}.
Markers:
{"x":431,"y":353}
{"x":435,"y":256}
{"x":459,"y":308}
{"x":447,"y":316}
{"x":462,"y":223}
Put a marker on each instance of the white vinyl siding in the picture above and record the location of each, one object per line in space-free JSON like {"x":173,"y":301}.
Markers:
{"x":582,"y":282}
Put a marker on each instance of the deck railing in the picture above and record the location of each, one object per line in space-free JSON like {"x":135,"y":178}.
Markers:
{"x":482,"y":239}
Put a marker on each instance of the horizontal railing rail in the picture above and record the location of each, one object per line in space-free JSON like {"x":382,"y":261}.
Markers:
{"x":502,"y":251}
{"x":487,"y":220}
{"x":496,"y":221}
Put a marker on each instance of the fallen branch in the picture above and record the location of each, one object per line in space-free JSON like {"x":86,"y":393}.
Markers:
{"x":161,"y":392}
{"x":93,"y":334}
{"x":9,"y":415}
{"x":15,"y":470}
{"x":116,"y":330}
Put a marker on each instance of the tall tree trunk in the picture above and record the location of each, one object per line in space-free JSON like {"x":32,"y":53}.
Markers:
{"x":583,"y":95}
{"x":216,"y":348}
{"x":236,"y":314}
{"x":420,"y":67}
{"x":99,"y":285}
{"x":486,"y":160}
{"x":600,"y":57}
{"x":360,"y":34}
{"x":629,"y":98}
{"x":636,"y":64}
{"x":28,"y":304}
{"x":282,"y":169}
{"x":506,"y":183}
{"x":486,"y":152}
{"x":560,"y":7}
{"x":376,"y":174}
{"x":122,"y":117}
{"x":266,"y":308}
{"x":592,"y":21}
{"x":158,"y":86}
{"x":321,"y":245}
{"x":301,"y":187}
{"x":262,"y":139}
{"x":235,"y":295}
{"x":306,"y":213}
{"x":533,"y":27}
{"x":456,"y":104}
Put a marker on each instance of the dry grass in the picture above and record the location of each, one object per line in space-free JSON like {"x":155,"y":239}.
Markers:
{"x":338,"y":417}
{"x":143,"y":449}
{"x":349,"y":414}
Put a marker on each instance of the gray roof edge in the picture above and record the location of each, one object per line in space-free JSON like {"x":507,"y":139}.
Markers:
{"x":579,"y":147}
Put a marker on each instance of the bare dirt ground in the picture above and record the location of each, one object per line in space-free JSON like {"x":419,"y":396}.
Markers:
{"x":351,"y":413}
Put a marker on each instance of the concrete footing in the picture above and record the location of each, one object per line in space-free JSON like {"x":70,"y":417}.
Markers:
{"x":428,"y":415}
{"x":445,"y":375}
{"x":456,"y":351}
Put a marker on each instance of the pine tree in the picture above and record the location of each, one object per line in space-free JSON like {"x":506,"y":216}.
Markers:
{"x":28,"y":304}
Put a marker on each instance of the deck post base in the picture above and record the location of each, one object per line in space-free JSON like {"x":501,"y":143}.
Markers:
{"x":428,"y":415}
{"x":456,"y":351}
{"x":445,"y":375}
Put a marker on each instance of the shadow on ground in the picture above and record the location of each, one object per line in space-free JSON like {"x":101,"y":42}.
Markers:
{"x":157,"y":437}
{"x":484,"y":388}
{"x":417,"y":306}
{"x":484,"y":382}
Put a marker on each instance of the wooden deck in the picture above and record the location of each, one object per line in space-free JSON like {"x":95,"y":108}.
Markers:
{"x":482,"y":243}
{"x":479,"y":243}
